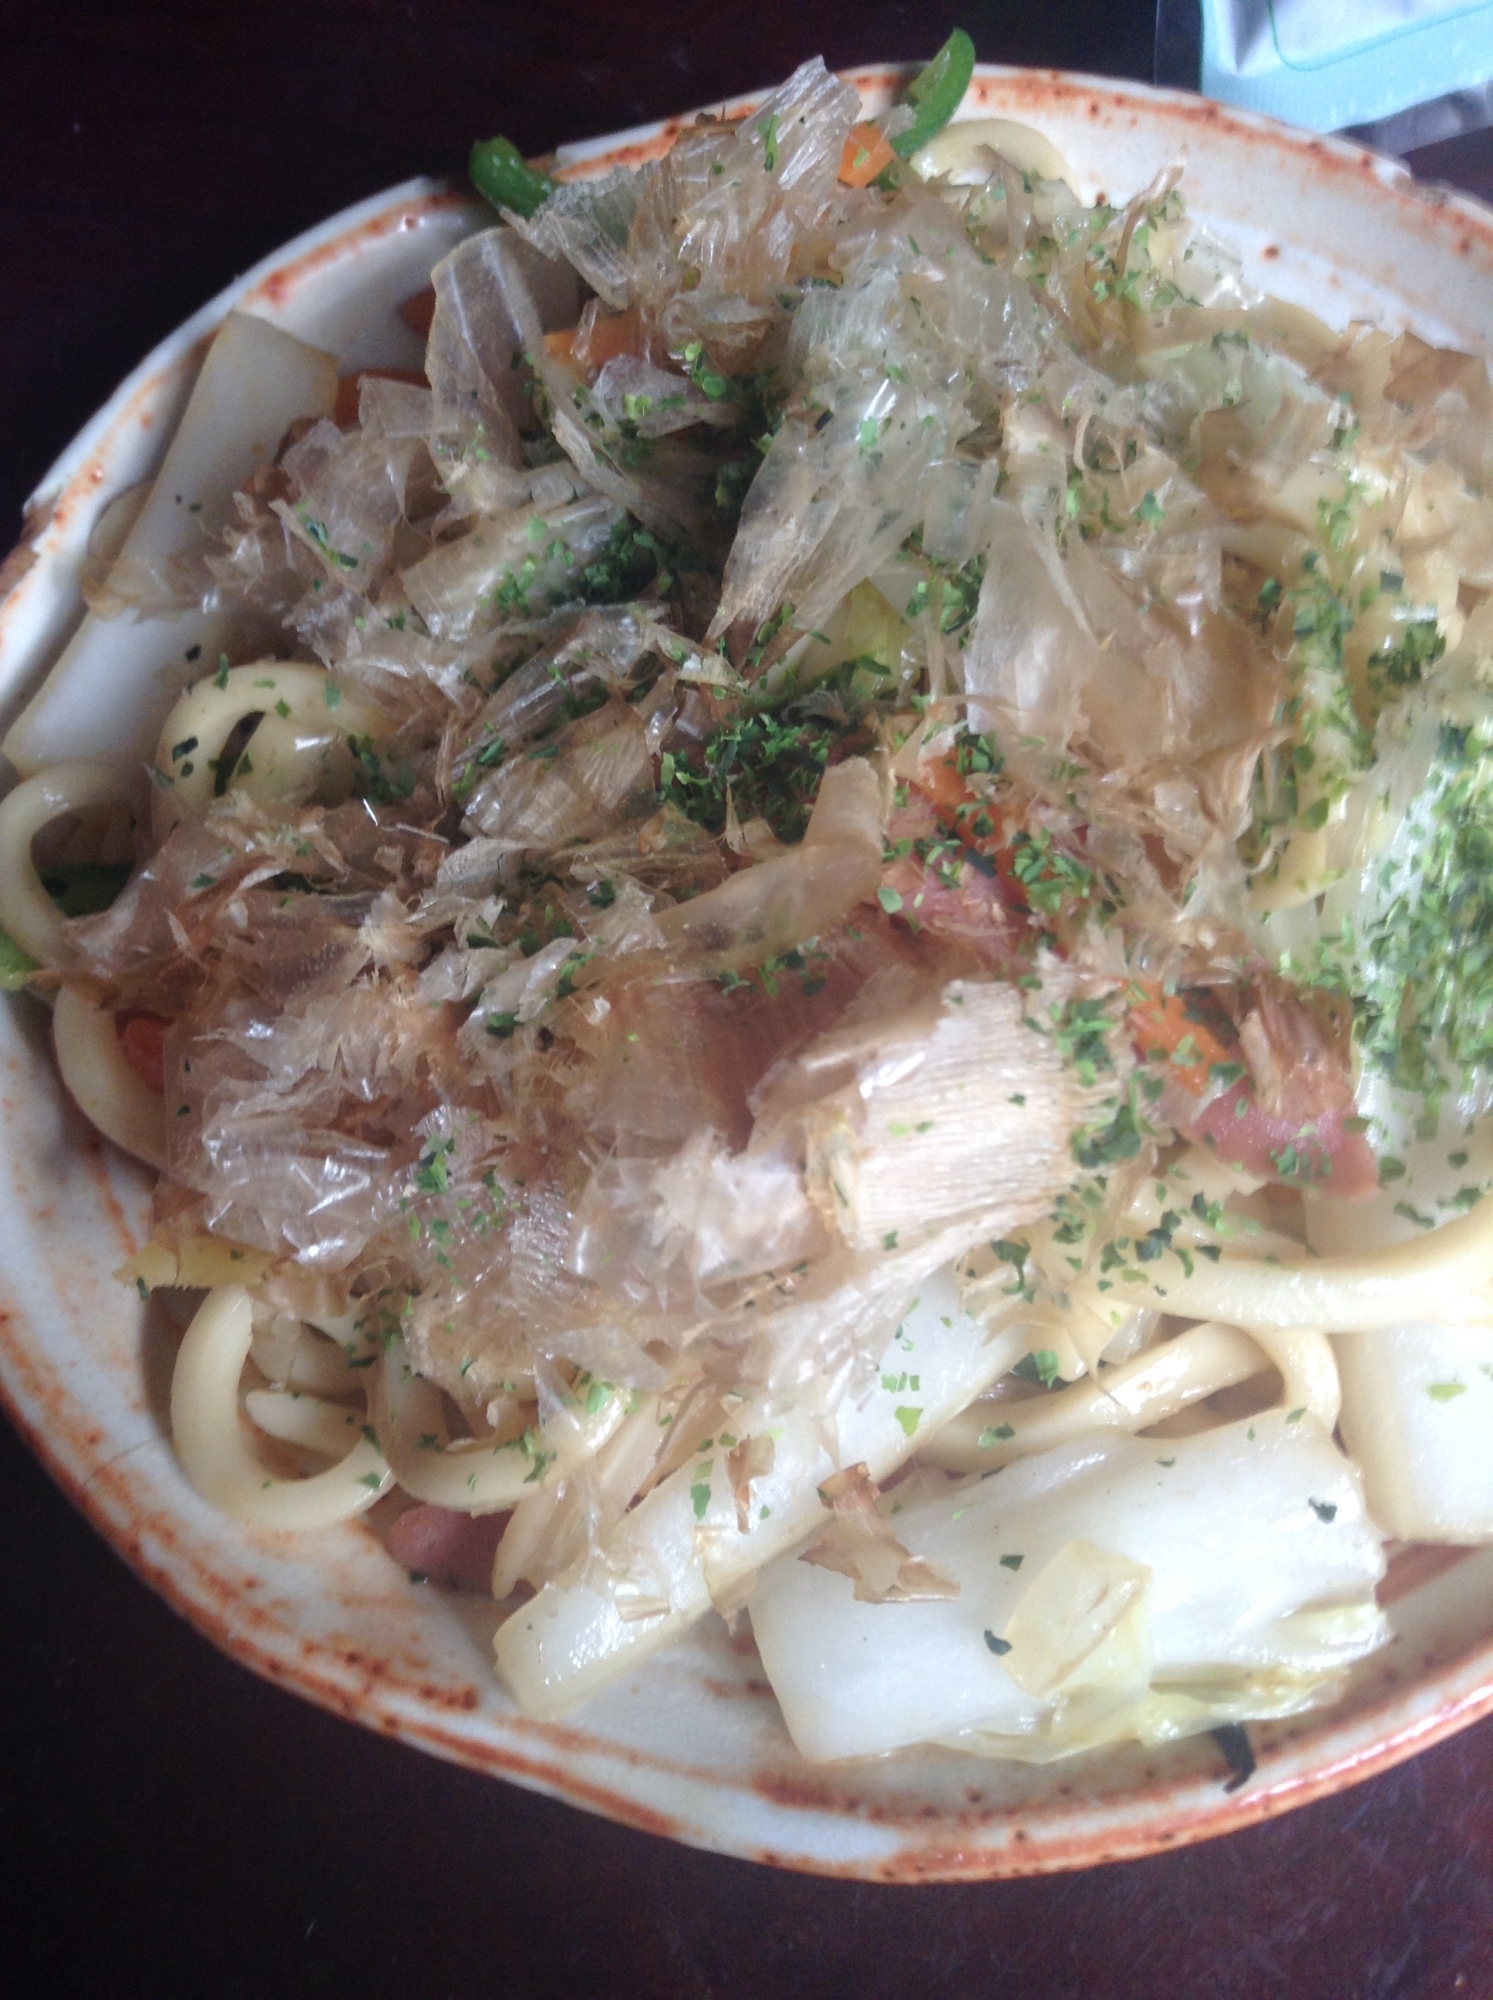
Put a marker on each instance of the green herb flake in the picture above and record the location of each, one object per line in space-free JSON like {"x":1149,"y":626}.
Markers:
{"x":1039,"y":1366}
{"x":1445,"y":1392}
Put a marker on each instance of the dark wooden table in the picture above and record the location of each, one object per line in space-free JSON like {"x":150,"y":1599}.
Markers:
{"x":173,"y":1826}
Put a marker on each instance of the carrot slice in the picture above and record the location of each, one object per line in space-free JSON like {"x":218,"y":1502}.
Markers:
{"x":941,"y":781}
{"x":1175,"y":1025}
{"x":606,"y":337}
{"x":867,"y":154}
{"x":601,"y":337}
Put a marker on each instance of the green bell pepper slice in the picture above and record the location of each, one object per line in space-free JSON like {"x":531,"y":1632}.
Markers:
{"x":936,"y":93}
{"x":502,"y":175}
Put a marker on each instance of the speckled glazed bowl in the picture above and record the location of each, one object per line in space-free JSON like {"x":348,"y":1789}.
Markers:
{"x":691,"y":1746}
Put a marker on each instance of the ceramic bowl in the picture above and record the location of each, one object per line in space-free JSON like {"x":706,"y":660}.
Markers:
{"x":691,"y":1746}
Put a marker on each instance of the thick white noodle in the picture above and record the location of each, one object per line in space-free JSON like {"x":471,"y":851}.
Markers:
{"x":27,"y":912}
{"x":215,"y":1453}
{"x":471,"y":1475}
{"x":962,"y":152}
{"x":107,"y":1091}
{"x":298,"y":748}
{"x":1308,"y":1370}
{"x":308,"y":1422}
{"x":1445,"y":1274}
{"x":322,"y":1367}
{"x":1155,"y":1385}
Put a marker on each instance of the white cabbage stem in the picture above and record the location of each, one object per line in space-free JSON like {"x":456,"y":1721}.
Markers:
{"x":931,"y":1128}
{"x":116,"y":676}
{"x":1417,"y":1417}
{"x":535,"y":1535}
{"x":1262,"y":1564}
{"x":680,"y":1549}
{"x":209,"y":1435}
{"x":521,"y":1552}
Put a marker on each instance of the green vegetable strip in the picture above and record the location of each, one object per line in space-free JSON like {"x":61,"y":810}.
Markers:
{"x":502,"y":176}
{"x":16,"y":966}
{"x":935,"y":93}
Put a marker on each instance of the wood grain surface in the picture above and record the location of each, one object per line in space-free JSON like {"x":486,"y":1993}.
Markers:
{"x":173,"y":1825}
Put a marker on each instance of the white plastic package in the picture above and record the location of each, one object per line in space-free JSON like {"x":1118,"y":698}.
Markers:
{"x":1334,"y":64}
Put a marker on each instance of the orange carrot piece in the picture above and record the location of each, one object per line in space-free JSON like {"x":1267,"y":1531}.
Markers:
{"x":601,"y":337}
{"x":606,"y":337}
{"x":1162,"y":1021}
{"x":943,"y":782}
{"x":867,"y":154}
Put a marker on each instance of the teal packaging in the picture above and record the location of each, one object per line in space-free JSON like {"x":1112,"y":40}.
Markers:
{"x":1325,"y":64}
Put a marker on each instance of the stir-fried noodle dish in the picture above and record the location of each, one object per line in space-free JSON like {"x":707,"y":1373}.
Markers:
{"x":814,"y":938}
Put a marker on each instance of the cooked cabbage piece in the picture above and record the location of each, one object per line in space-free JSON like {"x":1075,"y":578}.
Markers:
{"x":1180,"y":1582}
